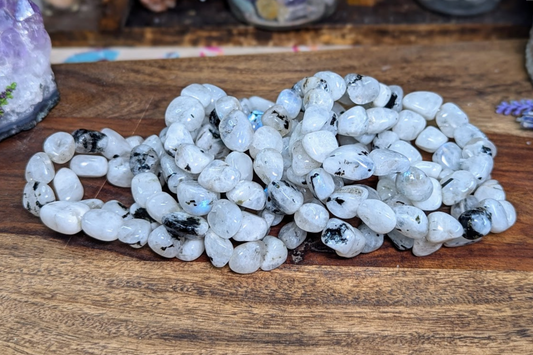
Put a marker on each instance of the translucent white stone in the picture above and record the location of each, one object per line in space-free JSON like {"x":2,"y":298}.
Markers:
{"x":144,"y":159}
{"x":398,"y":200}
{"x":449,"y":117}
{"x":490,"y":189}
{"x":344,"y":202}
{"x":298,"y":180}
{"x":161,"y":204}
{"x":377,"y":216}
{"x":190,"y":249}
{"x":277,"y":118}
{"x":194,"y":198}
{"x":311,"y":217}
{"x":448,"y":156}
{"x":343,"y":238}
{"x":219,"y":176}
{"x":479,"y":146}
{"x":409,"y":125}
{"x":119,"y":173}
{"x":236,"y":131}
{"x":498,"y":215}
{"x":67,"y":185}
{"x":320,"y":182}
{"x":260,"y":103}
{"x":268,"y":165}
{"x":192,"y":159}
{"x":143,"y":186}
{"x":388,"y":162}
{"x":168,"y":166}
{"x":384,"y":96}
{"x":116,"y":207}
{"x":434,"y":201}
{"x":292,"y":235}
{"x":459,"y":242}
{"x":216,"y":93}
{"x":350,"y":162}
{"x":353,"y":122}
{"x":421,"y":247}
{"x":199,"y":92}
{"x":135,"y":232}
{"x":134,"y":141}
{"x":400,"y":241}
{"x":185,"y":110}
{"x":208,"y":139}
{"x":411,"y":221}
{"x":265,"y":137}
{"x":60,"y":147}
{"x":425,"y":103}
{"x":431,"y":169}
{"x":430,"y":139}
{"x":247,"y":257}
{"x":102,"y":225}
{"x":116,"y":144}
{"x":309,"y":83}
{"x":292,"y":102}
{"x":225,"y":105}
{"x":275,"y":253}
{"x":336,"y":84}
{"x":248,"y":194}
{"x":36,"y":195}
{"x":480,"y":166}
{"x":457,"y":186}
{"x":177,"y":134}
{"x":243,"y":163}
{"x":361,"y":89}
{"x":40,"y":168}
{"x":218,"y":249}
{"x":271,"y":219}
{"x":89,"y":142}
{"x":93,"y":203}
{"x":302,"y":163}
{"x":408,"y":150}
{"x":315,"y":117}
{"x":182,"y":223}
{"x":386,"y":188}
{"x":63,"y":216}
{"x":283,"y":197}
{"x":384,"y":140}
{"x":318,"y":145}
{"x":318,"y":97}
{"x":380,"y":119}
{"x":225,"y":218}
{"x":89,"y":165}
{"x":465,"y":133}
{"x":373,"y":240}
{"x":510,"y":212}
{"x":470,"y":202}
{"x":414,"y":184}
{"x":162,"y":243}
{"x":155,"y":142}
{"x":396,"y":98}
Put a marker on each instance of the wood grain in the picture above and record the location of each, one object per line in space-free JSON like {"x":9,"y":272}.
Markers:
{"x":75,"y":295}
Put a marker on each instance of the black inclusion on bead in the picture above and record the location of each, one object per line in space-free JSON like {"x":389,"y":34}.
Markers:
{"x":142,"y":213}
{"x":474,"y":221}
{"x":447,"y":182}
{"x":175,"y":225}
{"x":355,"y":79}
{"x":392,"y":101}
{"x":88,"y":141}
{"x":486,"y":150}
{"x":214,"y":119}
{"x":335,"y":235}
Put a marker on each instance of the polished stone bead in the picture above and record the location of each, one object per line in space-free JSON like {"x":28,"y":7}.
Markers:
{"x":335,"y":83}
{"x":225,"y":218}
{"x":298,"y":180}
{"x":388,"y":162}
{"x":247,"y":257}
{"x":396,"y":99}
{"x":344,"y":202}
{"x":430,"y":139}
{"x":194,"y":198}
{"x":480,"y":166}
{"x":457,"y":186}
{"x":384,"y":96}
{"x":271,"y":219}
{"x":476,"y":223}
{"x":224,"y":106}
{"x":116,"y":146}
{"x":261,"y":104}
{"x":135,"y":232}
{"x":176,"y":135}
{"x":236,"y":131}
{"x":292,"y":102}
{"x":373,"y":240}
{"x":192,"y":159}
{"x":283,"y":197}
{"x":384,"y":140}
{"x":320,"y":182}
{"x":479,"y":146}
{"x":448,"y":155}
{"x":465,"y":133}
{"x":318,"y":97}
{"x":119,"y":172}
{"x":430,"y":168}
{"x":242,"y":163}
{"x":406,"y":149}
{"x":315,"y":117}
{"x":143,"y":186}
{"x":422,"y":247}
{"x":319,"y":145}
{"x":311,"y":217}
{"x":63,"y":216}
{"x":161,"y":204}
{"x":102,"y":225}
{"x":343,"y":238}
{"x":443,"y":228}
{"x":185,"y":110}
{"x":277,"y":118}
{"x":190,"y":249}
{"x":350,"y":162}
{"x":218,"y":249}
{"x":490,"y":189}
{"x":292,"y":235}
{"x":36,"y":195}
{"x":162,"y":243}
{"x":465,"y":204}
{"x":449,"y":117}
{"x":116,"y":207}
{"x":199,"y":92}
{"x":248,"y":194}
{"x":60,"y":147}
{"x":265,"y":137}
{"x":182,"y":223}
{"x":144,"y":159}
{"x":268,"y":165}
{"x":510,"y":212}
{"x":219,"y":176}
{"x":40,"y":168}
{"x":414,"y":184}
{"x":386,"y":188}
{"x":361,"y":89}
{"x":89,"y":165}
{"x":309,"y":83}
{"x":380,"y":119}
{"x":302,"y":163}
{"x":134,"y":141}
{"x":411,"y":221}
{"x":377,"y":216}
{"x":353,"y":122}
{"x":498,"y":215}
{"x":67,"y":185}
{"x":208,"y":139}
{"x":275,"y":253}
{"x":89,"y":142}
{"x":425,"y":103}
{"x":400,"y":241}
{"x":409,"y":125}
{"x":216,"y":93}
{"x":434,"y":201}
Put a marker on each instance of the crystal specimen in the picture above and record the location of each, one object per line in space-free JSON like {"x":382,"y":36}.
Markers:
{"x":27,"y":87}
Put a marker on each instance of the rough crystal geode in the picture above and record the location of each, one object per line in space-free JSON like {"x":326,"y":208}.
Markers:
{"x":27,"y":87}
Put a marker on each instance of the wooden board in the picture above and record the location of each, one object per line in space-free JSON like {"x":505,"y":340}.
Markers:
{"x":73,"y":295}
{"x":196,"y":23}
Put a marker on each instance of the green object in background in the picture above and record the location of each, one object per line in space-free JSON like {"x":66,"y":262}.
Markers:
{"x":5,"y":95}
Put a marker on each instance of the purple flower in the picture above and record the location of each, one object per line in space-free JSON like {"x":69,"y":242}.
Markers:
{"x":515,"y":108}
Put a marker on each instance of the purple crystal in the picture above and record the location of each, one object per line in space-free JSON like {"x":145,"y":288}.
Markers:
{"x":27,"y":82}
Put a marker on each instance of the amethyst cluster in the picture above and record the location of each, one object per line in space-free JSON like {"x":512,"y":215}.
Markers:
{"x":27,"y":87}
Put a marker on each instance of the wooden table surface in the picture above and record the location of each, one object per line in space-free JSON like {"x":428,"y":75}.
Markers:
{"x":74,"y":295}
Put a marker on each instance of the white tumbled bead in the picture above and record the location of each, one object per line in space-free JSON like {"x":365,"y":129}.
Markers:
{"x":236,"y":131}
{"x":498,"y":215}
{"x":373,"y":240}
{"x":143,"y":186}
{"x":265,"y":137}
{"x":336,"y":83}
{"x":219,"y":176}
{"x":248,"y":194}
{"x":67,"y":185}
{"x":161,"y":204}
{"x":409,"y":125}
{"x":292,"y":235}
{"x":102,"y":225}
{"x":60,"y":147}
{"x":63,"y":216}
{"x":89,"y":165}
{"x":40,"y":168}
{"x":116,"y":144}
{"x":225,"y":218}
{"x":192,"y":159}
{"x":315,"y":117}
{"x":135,"y":232}
{"x":302,"y":163}
{"x":194,"y":198}
{"x":350,"y":162}
{"x":190,"y":249}
{"x":319,"y":144}
{"x":430,"y":168}
{"x":443,"y":227}
{"x":185,"y":110}
{"x":383,"y":97}
{"x":243,"y":163}
{"x":199,"y":92}
{"x":406,"y":149}
{"x":380,"y":119}
{"x":177,"y":134}
{"x":36,"y":195}
{"x":353,"y":122}
{"x":344,"y":202}
{"x":134,"y":141}
{"x":465,"y":133}
{"x":434,"y":201}
{"x":317,"y":97}
{"x":411,"y":221}
{"x":343,"y":238}
{"x":448,"y":156}
{"x":388,"y":162}
{"x":384,"y":140}
{"x":311,"y":217}
{"x":430,"y":139}
{"x":422,"y":247}
{"x":457,"y":186}
{"x":218,"y":249}
{"x":361,"y":89}
{"x":377,"y":216}
{"x":449,"y":117}
{"x":292,"y":102}
{"x":275,"y":253}
{"x":116,"y":207}
{"x":490,"y":189}
{"x":247,"y":257}
{"x":268,"y":165}
{"x":480,"y":166}
{"x":119,"y":172}
{"x":510,"y":212}
{"x":162,"y":243}
{"x":414,"y":184}
{"x":425,"y":103}
{"x":320,"y":182}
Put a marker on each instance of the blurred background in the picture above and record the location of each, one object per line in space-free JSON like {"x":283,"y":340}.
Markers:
{"x":107,"y":30}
